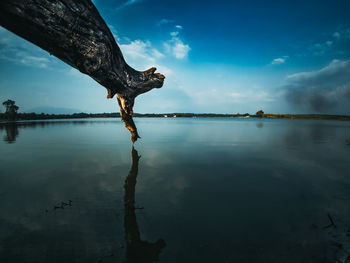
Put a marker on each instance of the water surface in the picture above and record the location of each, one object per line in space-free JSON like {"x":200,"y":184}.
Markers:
{"x":203,"y":190}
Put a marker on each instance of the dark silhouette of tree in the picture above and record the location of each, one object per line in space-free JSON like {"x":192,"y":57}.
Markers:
{"x":11,"y":109}
{"x":137,"y":250}
{"x":260,"y":114}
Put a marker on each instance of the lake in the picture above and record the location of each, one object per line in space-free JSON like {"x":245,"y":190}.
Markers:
{"x":203,"y":190}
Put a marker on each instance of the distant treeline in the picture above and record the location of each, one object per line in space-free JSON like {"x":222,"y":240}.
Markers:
{"x":306,"y":116}
{"x":43,"y":116}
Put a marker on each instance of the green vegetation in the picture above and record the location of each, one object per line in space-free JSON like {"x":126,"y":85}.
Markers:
{"x":11,"y":110}
{"x":259,"y":114}
{"x":307,"y":116}
{"x":43,"y":116}
{"x":11,"y":114}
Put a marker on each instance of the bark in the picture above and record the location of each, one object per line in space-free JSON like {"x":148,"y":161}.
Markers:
{"x":74,"y":32}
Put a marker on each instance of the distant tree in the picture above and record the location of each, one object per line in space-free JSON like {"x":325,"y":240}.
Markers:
{"x":11,"y":109}
{"x":260,"y":114}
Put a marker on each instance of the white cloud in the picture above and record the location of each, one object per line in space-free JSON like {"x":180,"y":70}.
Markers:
{"x":176,"y":47}
{"x":180,"y":50}
{"x":20,"y":51}
{"x":142,"y":55}
{"x":39,"y":62}
{"x":136,"y":49}
{"x":235,"y":95}
{"x":278,"y":61}
{"x":127,"y":3}
{"x":114,"y":32}
{"x":165,"y":21}
{"x":157,"y":54}
{"x":174,"y":34}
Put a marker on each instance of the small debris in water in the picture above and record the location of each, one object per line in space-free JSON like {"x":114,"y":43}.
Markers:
{"x":61,"y":206}
{"x":332,"y":222}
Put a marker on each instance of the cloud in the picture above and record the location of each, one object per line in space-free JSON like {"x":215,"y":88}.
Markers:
{"x":342,"y":33}
{"x":136,"y":49}
{"x":165,"y":21}
{"x":324,"y":90}
{"x":319,"y":49}
{"x":170,"y":99}
{"x":212,"y":97}
{"x":20,"y":51}
{"x":336,"y":35}
{"x":142,"y":55}
{"x":176,"y":47}
{"x":337,"y":43}
{"x":39,"y":62}
{"x":278,"y":61}
{"x":180,"y":50}
{"x":329,"y":43}
{"x":114,"y":32}
{"x":127,"y":3}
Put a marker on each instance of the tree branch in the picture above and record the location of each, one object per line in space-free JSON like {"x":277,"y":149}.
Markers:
{"x":74,"y":32}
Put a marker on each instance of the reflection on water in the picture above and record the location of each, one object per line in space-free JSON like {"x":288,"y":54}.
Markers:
{"x":217,"y":190}
{"x":11,"y":132}
{"x":11,"y":128}
{"x":260,"y":125}
{"x":137,"y":250}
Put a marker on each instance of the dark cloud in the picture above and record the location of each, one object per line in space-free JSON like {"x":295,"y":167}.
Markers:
{"x":324,"y":91}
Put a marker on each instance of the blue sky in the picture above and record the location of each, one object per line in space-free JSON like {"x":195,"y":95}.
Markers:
{"x":217,"y":56}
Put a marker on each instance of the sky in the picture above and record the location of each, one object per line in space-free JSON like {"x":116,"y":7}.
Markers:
{"x":217,"y":56}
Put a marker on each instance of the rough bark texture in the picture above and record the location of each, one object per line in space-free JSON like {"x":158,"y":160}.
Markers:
{"x":74,"y":32}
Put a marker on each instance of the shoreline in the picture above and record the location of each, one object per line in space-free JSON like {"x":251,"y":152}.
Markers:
{"x":24,"y":117}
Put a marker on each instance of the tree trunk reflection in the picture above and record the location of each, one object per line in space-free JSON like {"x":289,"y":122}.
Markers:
{"x":137,"y":250}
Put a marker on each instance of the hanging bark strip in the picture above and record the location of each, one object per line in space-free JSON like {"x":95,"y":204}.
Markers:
{"x":74,"y":32}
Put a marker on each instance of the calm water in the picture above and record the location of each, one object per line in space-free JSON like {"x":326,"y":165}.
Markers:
{"x":204,"y":190}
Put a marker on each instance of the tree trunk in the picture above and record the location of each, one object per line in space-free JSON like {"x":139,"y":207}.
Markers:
{"x":74,"y":32}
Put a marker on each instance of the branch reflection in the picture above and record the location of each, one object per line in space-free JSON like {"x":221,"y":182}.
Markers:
{"x":137,"y":250}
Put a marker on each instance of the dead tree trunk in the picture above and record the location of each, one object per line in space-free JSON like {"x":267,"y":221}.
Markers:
{"x":74,"y":32}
